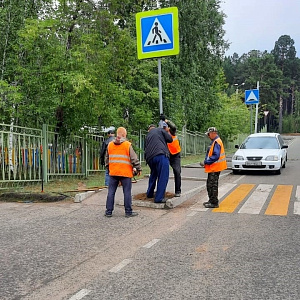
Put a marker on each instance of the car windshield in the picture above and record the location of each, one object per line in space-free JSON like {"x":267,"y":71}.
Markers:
{"x":260,"y":143}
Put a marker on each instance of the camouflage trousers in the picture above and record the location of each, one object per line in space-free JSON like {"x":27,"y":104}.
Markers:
{"x":212,"y":184}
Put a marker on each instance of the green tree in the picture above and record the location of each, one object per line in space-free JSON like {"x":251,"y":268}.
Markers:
{"x":189,"y":79}
{"x":12,"y":18}
{"x":285,"y":57}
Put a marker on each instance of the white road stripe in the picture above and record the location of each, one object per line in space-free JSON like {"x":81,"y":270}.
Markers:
{"x":120,"y":266}
{"x":225,"y":188}
{"x":80,"y":294}
{"x":298,"y":193}
{"x":257,"y":199}
{"x":193,"y":213}
{"x":150,"y":244}
{"x":297,"y":201}
{"x":240,"y":178}
{"x":297,"y":208}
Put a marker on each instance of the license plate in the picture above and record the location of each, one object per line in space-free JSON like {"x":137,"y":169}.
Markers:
{"x":253,"y":163}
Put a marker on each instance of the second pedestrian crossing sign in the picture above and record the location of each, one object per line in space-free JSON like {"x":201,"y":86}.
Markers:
{"x":157,"y":33}
{"x":252,"y":96}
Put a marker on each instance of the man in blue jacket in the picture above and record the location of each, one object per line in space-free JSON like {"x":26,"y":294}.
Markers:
{"x":157,"y":157}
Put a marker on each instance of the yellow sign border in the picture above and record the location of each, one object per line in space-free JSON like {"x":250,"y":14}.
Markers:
{"x":158,"y":12}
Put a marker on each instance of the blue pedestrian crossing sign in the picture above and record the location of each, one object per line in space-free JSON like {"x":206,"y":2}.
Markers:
{"x":157,"y":33}
{"x":251,"y":96}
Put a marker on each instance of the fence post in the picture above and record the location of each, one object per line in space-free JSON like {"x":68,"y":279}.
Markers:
{"x":140,"y":145}
{"x":85,"y":157}
{"x":184,"y":140}
{"x":45,"y":152}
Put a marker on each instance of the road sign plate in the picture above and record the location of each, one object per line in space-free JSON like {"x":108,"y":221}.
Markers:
{"x":157,"y":33}
{"x":252,"y":96}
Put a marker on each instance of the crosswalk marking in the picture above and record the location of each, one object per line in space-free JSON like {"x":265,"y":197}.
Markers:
{"x":223,"y":190}
{"x":230,"y":203}
{"x":257,"y":200}
{"x":298,"y":194}
{"x":277,"y":197}
{"x":297,"y":201}
{"x":279,"y":203}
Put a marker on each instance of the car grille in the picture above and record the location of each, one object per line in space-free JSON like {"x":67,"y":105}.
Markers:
{"x":254,"y":167}
{"x":256,"y":158}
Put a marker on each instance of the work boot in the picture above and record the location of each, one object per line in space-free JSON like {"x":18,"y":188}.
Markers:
{"x":211,"y":205}
{"x":132,"y":214}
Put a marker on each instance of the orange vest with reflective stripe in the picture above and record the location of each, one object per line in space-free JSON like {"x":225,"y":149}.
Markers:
{"x":174,"y":147}
{"x":221,"y":163}
{"x":119,"y":159}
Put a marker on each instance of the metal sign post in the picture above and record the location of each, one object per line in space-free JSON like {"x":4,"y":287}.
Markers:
{"x":252,"y":97}
{"x":256,"y":112}
{"x":160,"y":87}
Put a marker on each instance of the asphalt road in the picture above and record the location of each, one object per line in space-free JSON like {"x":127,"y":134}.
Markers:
{"x":239,"y":251}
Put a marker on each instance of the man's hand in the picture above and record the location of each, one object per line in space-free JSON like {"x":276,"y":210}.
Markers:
{"x":202,"y":163}
{"x":162,"y":117}
{"x":135,"y":172}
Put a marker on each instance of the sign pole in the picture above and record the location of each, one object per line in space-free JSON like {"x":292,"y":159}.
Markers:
{"x":251,"y":119}
{"x":252,"y":97}
{"x":160,"y":87}
{"x":256,"y":112}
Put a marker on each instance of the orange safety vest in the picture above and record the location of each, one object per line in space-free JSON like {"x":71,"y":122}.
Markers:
{"x":119,"y":159}
{"x":221,"y":163}
{"x":174,"y":147}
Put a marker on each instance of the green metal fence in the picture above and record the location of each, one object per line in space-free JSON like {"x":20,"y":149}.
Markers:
{"x":20,"y":155}
{"x":28,"y":154}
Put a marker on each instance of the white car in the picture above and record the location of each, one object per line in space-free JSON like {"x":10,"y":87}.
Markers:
{"x":260,"y":151}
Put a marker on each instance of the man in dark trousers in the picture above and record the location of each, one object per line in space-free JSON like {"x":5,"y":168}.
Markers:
{"x":214,"y":163}
{"x":157,"y":157}
{"x":110,"y":137}
{"x":122,"y":162}
{"x":175,"y":159}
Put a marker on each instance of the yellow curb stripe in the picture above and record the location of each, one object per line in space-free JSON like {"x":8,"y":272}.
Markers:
{"x":279,"y":203}
{"x":231,"y":202}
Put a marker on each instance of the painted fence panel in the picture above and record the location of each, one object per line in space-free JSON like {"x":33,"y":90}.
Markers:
{"x":22,"y":160}
{"x":20,"y":153}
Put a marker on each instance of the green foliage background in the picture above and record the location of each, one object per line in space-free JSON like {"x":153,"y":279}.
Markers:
{"x":73,"y":64}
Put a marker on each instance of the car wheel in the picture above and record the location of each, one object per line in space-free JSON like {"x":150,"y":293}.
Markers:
{"x":278,"y":172}
{"x":284,"y":162}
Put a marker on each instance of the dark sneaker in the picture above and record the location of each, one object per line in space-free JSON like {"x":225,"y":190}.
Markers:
{"x":204,"y":203}
{"x":133,"y":214}
{"x":177,"y":194}
{"x":108,"y":215}
{"x":211,"y":205}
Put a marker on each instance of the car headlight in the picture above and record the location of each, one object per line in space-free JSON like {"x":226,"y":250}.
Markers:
{"x":272,"y":157}
{"x":237,"y":157}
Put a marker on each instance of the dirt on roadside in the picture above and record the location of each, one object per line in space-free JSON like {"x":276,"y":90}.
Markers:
{"x":143,"y":197}
{"x":32,"y":197}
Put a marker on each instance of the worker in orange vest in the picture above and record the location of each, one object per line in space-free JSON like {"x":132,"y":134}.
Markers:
{"x":175,"y":159}
{"x":214,"y":163}
{"x":122,"y":163}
